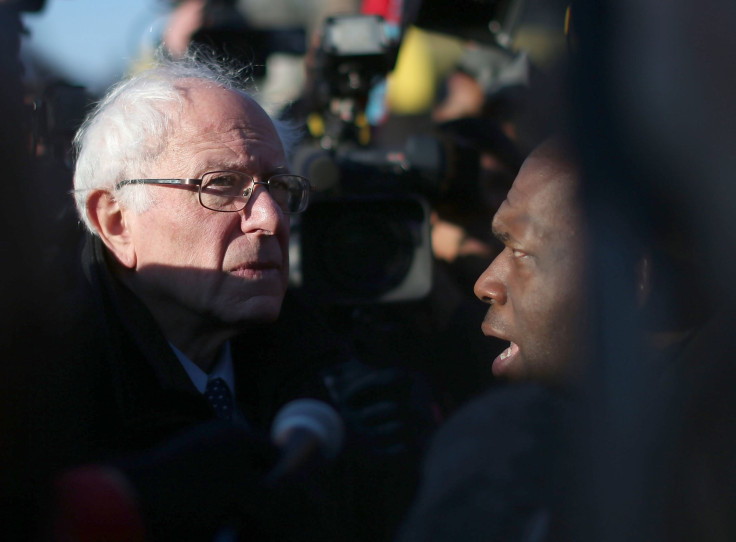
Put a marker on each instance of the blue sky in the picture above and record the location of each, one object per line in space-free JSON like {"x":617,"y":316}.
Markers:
{"x":92,"y":42}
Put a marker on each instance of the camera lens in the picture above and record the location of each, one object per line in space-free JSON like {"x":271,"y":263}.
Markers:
{"x":367,"y":253}
{"x":358,"y":250}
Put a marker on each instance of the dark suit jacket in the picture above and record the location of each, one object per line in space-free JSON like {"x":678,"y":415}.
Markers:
{"x":103,"y":385}
{"x":492,"y":471}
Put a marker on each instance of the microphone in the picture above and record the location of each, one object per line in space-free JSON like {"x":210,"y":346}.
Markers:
{"x":306,"y":431}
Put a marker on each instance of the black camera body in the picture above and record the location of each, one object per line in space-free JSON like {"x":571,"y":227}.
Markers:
{"x":365,"y":237}
{"x":367,"y":249}
{"x":355,"y":51}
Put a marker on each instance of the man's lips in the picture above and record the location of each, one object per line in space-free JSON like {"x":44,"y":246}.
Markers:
{"x":504,"y":359}
{"x":256,"y":270}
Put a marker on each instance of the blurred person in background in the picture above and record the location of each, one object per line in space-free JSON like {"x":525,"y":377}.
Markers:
{"x":272,"y":37}
{"x":655,"y":126}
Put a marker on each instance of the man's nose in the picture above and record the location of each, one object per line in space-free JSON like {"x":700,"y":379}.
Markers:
{"x":261,"y":212}
{"x":491,"y":285}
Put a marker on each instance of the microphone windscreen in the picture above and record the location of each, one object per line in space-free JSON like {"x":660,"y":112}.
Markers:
{"x":314,"y":416}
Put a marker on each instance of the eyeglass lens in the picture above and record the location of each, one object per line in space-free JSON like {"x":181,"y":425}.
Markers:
{"x":230,"y":191}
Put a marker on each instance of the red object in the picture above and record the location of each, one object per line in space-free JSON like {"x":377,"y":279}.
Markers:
{"x":95,"y":504}
{"x":388,"y":9}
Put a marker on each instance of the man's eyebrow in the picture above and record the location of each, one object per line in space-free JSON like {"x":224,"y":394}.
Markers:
{"x":502,"y":236}
{"x":227,"y":165}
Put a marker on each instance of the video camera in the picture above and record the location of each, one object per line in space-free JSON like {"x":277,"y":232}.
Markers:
{"x":365,"y":237}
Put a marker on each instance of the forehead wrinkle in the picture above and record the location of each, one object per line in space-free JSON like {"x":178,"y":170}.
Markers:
{"x":239,"y":136}
{"x":235,"y":153}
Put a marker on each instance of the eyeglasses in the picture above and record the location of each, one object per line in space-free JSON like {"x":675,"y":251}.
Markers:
{"x":229,"y":191}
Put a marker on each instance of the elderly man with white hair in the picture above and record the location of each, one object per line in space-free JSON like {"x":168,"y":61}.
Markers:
{"x":183,"y":341}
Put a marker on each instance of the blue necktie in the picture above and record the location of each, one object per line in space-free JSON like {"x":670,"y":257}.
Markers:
{"x":218,"y":394}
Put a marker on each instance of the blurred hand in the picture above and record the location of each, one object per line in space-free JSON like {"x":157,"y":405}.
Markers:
{"x":385,"y":410}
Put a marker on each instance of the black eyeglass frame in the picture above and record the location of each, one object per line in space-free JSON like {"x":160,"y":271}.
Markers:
{"x":198,"y":183}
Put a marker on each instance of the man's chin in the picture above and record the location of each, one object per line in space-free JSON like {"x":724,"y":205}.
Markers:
{"x":512,"y":364}
{"x":256,"y":310}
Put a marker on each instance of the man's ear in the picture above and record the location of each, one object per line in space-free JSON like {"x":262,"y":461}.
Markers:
{"x":643,"y":279}
{"x":109,"y":221}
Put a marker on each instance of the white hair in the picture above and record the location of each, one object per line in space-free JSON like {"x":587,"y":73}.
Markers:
{"x":130,"y":127}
